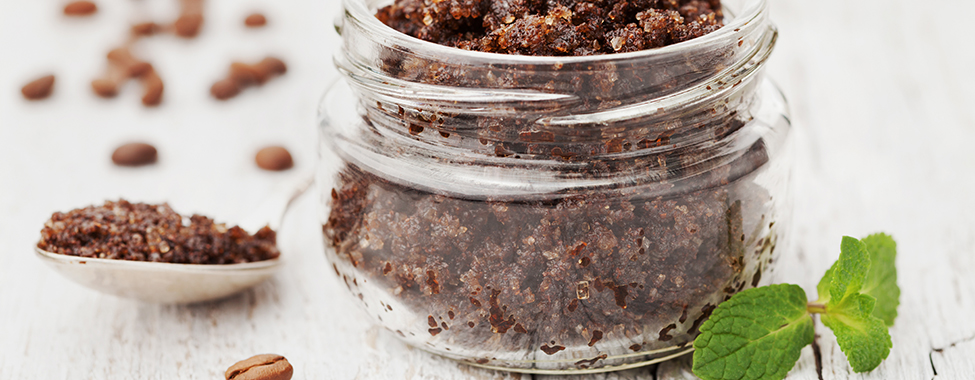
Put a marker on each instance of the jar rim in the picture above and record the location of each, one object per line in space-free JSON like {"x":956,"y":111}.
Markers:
{"x":510,"y":113}
{"x":359,"y":12}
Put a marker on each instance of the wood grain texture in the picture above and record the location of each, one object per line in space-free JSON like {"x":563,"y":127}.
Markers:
{"x":882,"y":104}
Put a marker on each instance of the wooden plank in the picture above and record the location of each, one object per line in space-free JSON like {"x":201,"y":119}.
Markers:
{"x":880,"y":93}
{"x":954,"y":361}
{"x":869,"y":107}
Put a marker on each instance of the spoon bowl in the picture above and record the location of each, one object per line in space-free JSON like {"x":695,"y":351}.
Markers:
{"x":183,"y":283}
{"x":160,"y":282}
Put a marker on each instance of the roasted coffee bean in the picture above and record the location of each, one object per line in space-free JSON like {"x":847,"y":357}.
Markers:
{"x":274,"y":158}
{"x":242,"y":75}
{"x":245,"y":75}
{"x":272,"y":66}
{"x":145,"y":29}
{"x":39,"y":88}
{"x":80,"y":8}
{"x":105,"y":88}
{"x":261,"y":367}
{"x":224,"y":89}
{"x":152,"y":88}
{"x":255,"y":20}
{"x":190,"y":18}
{"x":122,"y":66}
{"x":188,"y":26}
{"x":132,"y":66}
{"x":134,"y":154}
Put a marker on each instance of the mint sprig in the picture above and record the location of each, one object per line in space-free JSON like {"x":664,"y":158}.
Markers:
{"x":862,"y":337}
{"x":881,"y":282}
{"x":757,"y":334}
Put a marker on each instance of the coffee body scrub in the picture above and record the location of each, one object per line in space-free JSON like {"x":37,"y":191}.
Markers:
{"x":145,"y":232}
{"x":554,"y":27}
{"x":578,"y":203}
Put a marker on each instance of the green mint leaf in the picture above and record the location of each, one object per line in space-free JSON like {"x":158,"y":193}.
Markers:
{"x":881,"y":282}
{"x":823,"y":288}
{"x":849,"y":271}
{"x":757,"y":334}
{"x":862,"y":337}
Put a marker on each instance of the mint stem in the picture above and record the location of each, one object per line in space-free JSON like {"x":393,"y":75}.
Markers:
{"x":816,"y":308}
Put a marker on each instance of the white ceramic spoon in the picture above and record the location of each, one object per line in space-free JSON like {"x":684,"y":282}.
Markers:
{"x":181,"y":283}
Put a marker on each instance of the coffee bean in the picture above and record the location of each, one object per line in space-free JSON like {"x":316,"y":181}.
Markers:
{"x":39,"y":88}
{"x":190,"y":18}
{"x":224,"y":89}
{"x":80,"y":8}
{"x":242,"y":75}
{"x":134,"y":154}
{"x":255,"y":20}
{"x":188,"y":25}
{"x":153,"y":88}
{"x":131,"y":66}
{"x":145,"y":29}
{"x":261,"y":367}
{"x":245,"y":75}
{"x":104,"y":87}
{"x":274,"y":158}
{"x":271,"y":65}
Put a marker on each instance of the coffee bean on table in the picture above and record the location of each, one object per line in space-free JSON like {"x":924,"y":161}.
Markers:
{"x":80,"y":8}
{"x":39,"y":88}
{"x":122,"y":65}
{"x":134,"y":154}
{"x":153,"y":89}
{"x":190,"y":18}
{"x":130,"y":66}
{"x":274,"y":158}
{"x":261,"y":367}
{"x":245,"y":75}
{"x":224,"y":89}
{"x":242,"y":75}
{"x":145,"y":29}
{"x":271,"y":66}
{"x":104,"y":87}
{"x":255,"y":20}
{"x":188,"y":26}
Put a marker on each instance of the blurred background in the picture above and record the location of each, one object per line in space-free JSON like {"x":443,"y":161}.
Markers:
{"x":881,"y":100}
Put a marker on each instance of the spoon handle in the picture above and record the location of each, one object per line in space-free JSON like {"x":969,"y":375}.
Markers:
{"x":271,"y":211}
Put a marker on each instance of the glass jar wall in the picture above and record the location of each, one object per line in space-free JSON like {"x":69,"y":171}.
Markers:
{"x":552,"y":214}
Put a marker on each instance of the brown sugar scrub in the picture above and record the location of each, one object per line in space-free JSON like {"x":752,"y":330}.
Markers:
{"x":564,"y":27}
{"x":542,"y":212}
{"x":145,"y":232}
{"x":574,"y":270}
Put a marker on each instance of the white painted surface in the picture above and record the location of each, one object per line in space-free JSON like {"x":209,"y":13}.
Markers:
{"x":880,"y":93}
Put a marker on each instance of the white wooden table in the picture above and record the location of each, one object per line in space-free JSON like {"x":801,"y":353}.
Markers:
{"x":882,"y":101}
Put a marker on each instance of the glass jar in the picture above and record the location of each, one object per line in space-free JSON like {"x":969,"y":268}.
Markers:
{"x":553,"y":214}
